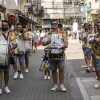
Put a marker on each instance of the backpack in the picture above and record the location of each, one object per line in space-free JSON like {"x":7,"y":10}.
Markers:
{"x":4,"y":57}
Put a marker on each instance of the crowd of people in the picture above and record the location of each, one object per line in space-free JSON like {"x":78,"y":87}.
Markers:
{"x":20,"y":43}
{"x":90,"y":37}
{"x":19,"y":46}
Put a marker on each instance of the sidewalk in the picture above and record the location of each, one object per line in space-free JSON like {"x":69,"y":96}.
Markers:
{"x":34,"y":87}
{"x":85,"y":80}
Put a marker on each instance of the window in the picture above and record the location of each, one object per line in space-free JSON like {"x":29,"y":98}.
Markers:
{"x":90,"y":4}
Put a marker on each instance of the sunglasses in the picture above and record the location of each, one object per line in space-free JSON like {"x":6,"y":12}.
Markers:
{"x":18,"y":27}
{"x":4,"y":24}
{"x":54,"y":23}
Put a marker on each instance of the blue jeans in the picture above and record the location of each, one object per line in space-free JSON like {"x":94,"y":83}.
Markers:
{"x":54,"y":64}
{"x":88,"y":52}
{"x":98,"y":64}
{"x":20,"y":56}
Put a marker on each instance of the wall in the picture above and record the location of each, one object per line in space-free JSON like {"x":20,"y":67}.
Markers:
{"x":12,"y":4}
{"x":94,"y":5}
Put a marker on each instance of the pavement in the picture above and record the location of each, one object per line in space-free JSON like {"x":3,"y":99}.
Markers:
{"x":85,"y":80}
{"x":79,"y":84}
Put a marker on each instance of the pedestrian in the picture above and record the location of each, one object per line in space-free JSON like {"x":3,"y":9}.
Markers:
{"x":90,"y":35}
{"x":31,"y":36}
{"x":28,"y":43}
{"x":56,"y":40}
{"x":83,"y":38}
{"x":21,"y":51}
{"x":4,"y":68}
{"x":96,"y":51}
{"x":42,"y":35}
{"x":64,"y":34}
{"x":93,"y":55}
{"x":36,"y":41}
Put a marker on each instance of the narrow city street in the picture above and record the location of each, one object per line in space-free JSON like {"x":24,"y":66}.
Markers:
{"x":79,"y":84}
{"x":70,"y":26}
{"x":34,"y":87}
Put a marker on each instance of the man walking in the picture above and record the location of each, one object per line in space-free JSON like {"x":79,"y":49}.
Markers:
{"x":56,"y":38}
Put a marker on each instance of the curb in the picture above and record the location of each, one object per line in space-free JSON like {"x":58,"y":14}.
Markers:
{"x":83,"y":89}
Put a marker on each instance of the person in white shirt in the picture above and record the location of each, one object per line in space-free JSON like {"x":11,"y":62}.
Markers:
{"x":29,"y":34}
{"x":4,"y":36}
{"x":20,"y":51}
{"x":42,"y":35}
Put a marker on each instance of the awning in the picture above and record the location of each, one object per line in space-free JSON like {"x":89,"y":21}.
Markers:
{"x":94,"y":11}
{"x":2,"y":9}
{"x":39,"y":25}
{"x":98,"y":10}
{"x":14,"y":11}
{"x":25,"y":20}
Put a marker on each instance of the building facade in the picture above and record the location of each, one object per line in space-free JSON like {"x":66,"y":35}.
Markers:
{"x":67,"y":11}
{"x":94,"y":13}
{"x":2,"y":10}
{"x":27,"y":12}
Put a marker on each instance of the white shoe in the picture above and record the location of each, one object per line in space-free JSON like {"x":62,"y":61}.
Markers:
{"x":88,"y":70}
{"x":26,"y":70}
{"x":93,"y":69}
{"x":54,"y":87}
{"x":49,"y":78}
{"x":21,"y":76}
{"x":62,"y":87}
{"x":45,"y":77}
{"x":0,"y":91}
{"x":7,"y":90}
{"x":16,"y":75}
{"x":97,"y":85}
{"x":85,"y":66}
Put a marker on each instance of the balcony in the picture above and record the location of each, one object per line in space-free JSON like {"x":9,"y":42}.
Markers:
{"x":33,"y":9}
{"x":70,"y":3}
{"x":12,"y":4}
{"x":74,"y":14}
{"x":39,"y":13}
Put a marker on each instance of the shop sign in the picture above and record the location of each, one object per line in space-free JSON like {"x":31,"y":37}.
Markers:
{"x":94,"y":17}
{"x":85,"y":8}
{"x":12,"y":17}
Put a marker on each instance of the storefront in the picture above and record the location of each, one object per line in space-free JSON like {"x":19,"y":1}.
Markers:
{"x":95,"y":15}
{"x":26,"y":21}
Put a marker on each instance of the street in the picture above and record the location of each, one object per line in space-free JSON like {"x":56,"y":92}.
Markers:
{"x":78,"y":83}
{"x":30,"y":25}
{"x":34,"y":87}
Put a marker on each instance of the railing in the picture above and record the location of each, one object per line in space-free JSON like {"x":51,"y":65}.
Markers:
{"x":74,"y":14}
